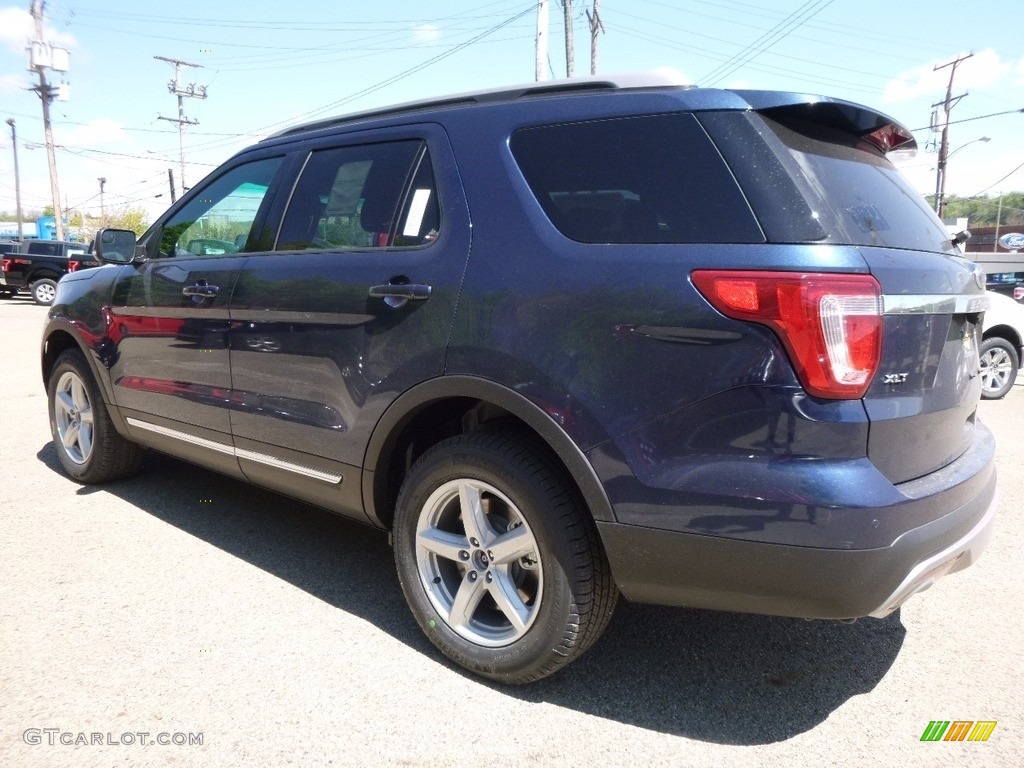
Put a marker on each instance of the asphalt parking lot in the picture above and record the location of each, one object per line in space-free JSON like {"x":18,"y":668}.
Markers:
{"x":191,"y":608}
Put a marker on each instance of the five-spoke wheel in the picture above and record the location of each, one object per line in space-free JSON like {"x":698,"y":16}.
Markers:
{"x":498,"y":559}
{"x":74,"y":417}
{"x":999,"y":363}
{"x":88,"y":446}
{"x":479,"y":562}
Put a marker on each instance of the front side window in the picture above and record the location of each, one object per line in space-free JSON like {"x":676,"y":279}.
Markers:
{"x":220,"y":218}
{"x":368,"y":196}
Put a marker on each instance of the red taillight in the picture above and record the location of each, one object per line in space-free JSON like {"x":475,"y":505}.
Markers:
{"x":73,"y":265}
{"x":830,"y":324}
{"x":890,"y":137}
{"x":7,"y":265}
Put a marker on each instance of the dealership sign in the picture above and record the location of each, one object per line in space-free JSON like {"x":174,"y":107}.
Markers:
{"x":1012,"y":241}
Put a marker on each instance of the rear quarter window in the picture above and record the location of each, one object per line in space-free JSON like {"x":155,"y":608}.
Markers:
{"x":650,"y":179}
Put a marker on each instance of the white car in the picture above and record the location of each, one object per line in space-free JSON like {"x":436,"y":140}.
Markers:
{"x":1000,"y":351}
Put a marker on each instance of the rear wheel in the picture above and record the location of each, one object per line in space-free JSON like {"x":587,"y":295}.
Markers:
{"x":44,"y":291}
{"x":89,"y":448}
{"x":498,"y":558}
{"x":999,"y":363}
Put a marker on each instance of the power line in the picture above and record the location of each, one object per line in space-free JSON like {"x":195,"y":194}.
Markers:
{"x":1000,"y":181}
{"x":768,"y":39}
{"x":979,"y":117}
{"x":379,"y":85}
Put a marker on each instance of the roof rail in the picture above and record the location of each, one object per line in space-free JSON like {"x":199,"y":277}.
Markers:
{"x":660,"y":78}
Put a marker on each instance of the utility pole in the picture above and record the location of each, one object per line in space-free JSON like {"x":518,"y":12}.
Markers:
{"x":41,"y":58}
{"x":948,"y":104}
{"x":103,"y":209}
{"x":17,"y":181}
{"x":999,"y":215}
{"x":570,"y":52}
{"x":170,"y":180}
{"x":596,"y":27}
{"x":191,"y":91}
{"x":542,"y":41}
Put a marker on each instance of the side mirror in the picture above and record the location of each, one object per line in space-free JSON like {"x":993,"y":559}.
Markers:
{"x":115,"y":246}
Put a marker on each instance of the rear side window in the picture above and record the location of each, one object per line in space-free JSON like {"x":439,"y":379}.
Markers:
{"x":44,"y":249}
{"x":653,"y":179}
{"x":365,"y":196}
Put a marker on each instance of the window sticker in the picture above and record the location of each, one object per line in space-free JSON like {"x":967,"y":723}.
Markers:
{"x":420,"y":198}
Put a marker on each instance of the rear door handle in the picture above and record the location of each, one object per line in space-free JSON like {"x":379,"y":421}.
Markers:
{"x":397,"y":295}
{"x":413,"y":291}
{"x":201,"y":289}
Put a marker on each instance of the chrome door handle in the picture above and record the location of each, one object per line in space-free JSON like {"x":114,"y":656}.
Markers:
{"x":201,"y":289}
{"x":397,"y":295}
{"x":413,"y":291}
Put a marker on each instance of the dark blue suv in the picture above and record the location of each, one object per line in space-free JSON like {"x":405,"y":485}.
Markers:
{"x":698,"y":347}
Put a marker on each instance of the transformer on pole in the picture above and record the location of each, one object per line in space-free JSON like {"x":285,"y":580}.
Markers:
{"x":191,"y":91}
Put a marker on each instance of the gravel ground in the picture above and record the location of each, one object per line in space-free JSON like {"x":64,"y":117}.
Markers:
{"x":188,"y":607}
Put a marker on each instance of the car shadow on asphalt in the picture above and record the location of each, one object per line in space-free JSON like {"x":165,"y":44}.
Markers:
{"x":718,"y":677}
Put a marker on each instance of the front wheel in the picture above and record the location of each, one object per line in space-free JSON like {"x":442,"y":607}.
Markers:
{"x":498,"y":559}
{"x":998,"y":359}
{"x":87,"y":444}
{"x":44,"y":291}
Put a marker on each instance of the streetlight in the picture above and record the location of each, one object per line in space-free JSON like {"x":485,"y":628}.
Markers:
{"x":940,"y":176}
{"x":17,"y":183}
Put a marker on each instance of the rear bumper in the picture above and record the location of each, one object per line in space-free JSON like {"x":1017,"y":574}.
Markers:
{"x":671,"y":567}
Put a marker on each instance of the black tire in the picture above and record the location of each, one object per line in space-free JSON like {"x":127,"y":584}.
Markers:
{"x":552,"y":575}
{"x":43,"y":291}
{"x":89,"y":447}
{"x":999,"y":364}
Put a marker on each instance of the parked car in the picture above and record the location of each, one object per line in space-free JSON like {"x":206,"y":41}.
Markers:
{"x":1002,"y":337}
{"x":39,"y":264}
{"x":6,"y":247}
{"x":1007,"y":283}
{"x":698,"y":347}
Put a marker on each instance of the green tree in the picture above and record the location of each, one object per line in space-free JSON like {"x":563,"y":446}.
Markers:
{"x":135,"y":219}
{"x":981,"y":211}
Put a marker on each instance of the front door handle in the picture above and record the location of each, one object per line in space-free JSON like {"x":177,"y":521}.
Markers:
{"x":201,"y":289}
{"x":397,"y":295}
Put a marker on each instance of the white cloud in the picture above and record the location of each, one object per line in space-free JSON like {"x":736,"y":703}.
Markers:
{"x":17,"y":27}
{"x":979,"y":71}
{"x":13,"y":83}
{"x":673,"y":75}
{"x":97,"y":133}
{"x":426,"y":33}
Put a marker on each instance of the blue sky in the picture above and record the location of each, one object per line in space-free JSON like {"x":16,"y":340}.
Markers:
{"x":268,"y":65}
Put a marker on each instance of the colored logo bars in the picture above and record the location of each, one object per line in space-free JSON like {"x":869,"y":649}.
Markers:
{"x":958,"y":730}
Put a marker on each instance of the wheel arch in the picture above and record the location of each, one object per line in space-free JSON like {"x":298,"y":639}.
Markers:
{"x":450,"y":405}
{"x":43,"y":274}
{"x":1007,"y":332}
{"x":59,"y":338}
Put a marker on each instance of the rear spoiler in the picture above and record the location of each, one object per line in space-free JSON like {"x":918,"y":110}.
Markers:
{"x":881,"y":130}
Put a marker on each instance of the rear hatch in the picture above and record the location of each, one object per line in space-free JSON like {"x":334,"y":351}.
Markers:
{"x":832,"y":184}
